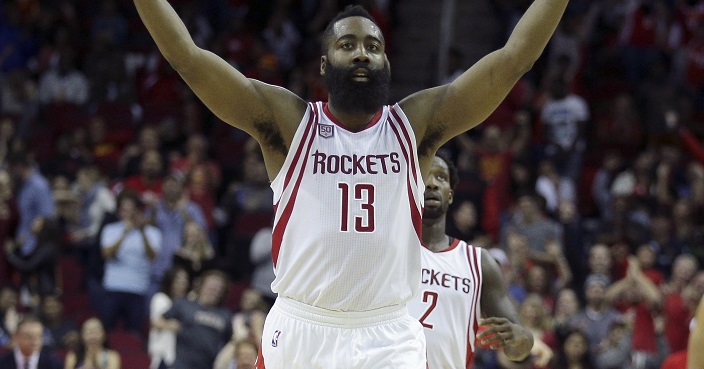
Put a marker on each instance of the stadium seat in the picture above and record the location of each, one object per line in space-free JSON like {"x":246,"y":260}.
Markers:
{"x":126,"y":343}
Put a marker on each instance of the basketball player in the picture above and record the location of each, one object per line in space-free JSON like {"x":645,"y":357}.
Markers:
{"x":460,"y":284}
{"x":347,"y":177}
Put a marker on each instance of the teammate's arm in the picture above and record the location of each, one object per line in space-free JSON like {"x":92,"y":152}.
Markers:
{"x":500,"y":316}
{"x":449,"y":110}
{"x":231,"y":96}
{"x":695,"y":354}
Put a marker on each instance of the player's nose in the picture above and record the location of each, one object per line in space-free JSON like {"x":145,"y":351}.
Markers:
{"x":360,"y":55}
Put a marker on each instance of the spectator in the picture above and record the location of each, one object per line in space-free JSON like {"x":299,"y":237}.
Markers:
{"x":675,"y":309}
{"x":92,"y":352}
{"x":34,"y":199}
{"x":170,"y":215}
{"x":38,"y":268}
{"x":616,"y":351}
{"x":18,"y":47}
{"x":203,"y":325}
{"x":162,"y":339}
{"x":536,"y":318}
{"x":638,"y":295}
{"x":202,"y":178}
{"x":65,"y":83}
{"x":147,"y":140}
{"x":611,"y":164}
{"x":282,"y":37}
{"x":596,"y":317}
{"x":106,"y":73}
{"x":564,"y":116}
{"x":110,"y":24}
{"x":574,"y":351}
{"x":566,"y":307}
{"x":9,"y":217}
{"x":27,"y":352}
{"x":260,"y":256}
{"x":128,"y":247}
{"x":9,"y":304}
{"x":600,"y":260}
{"x":554,"y":188}
{"x":95,"y":202}
{"x":240,"y":354}
{"x":60,"y":331}
{"x":19,"y":97}
{"x":248,"y":323}
{"x":196,"y":253}
{"x":530,"y":221}
{"x":148,"y":182}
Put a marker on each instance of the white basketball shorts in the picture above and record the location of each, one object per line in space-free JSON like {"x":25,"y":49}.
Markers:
{"x":300,"y":336}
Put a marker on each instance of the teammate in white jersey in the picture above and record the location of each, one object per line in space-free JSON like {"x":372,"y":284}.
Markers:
{"x":460,"y":284}
{"x":348,"y":179}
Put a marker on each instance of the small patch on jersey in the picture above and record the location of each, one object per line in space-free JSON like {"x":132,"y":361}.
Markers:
{"x":325,"y":130}
{"x":275,"y":338}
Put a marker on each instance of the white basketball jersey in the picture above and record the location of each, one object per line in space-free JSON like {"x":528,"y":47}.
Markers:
{"x":348,"y":213}
{"x":448,"y":305}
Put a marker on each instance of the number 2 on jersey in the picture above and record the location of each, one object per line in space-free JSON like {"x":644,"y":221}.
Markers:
{"x":364,"y":195}
{"x":430,"y":297}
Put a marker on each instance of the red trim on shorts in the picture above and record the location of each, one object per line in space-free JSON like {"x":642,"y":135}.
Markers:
{"x":259,"y":364}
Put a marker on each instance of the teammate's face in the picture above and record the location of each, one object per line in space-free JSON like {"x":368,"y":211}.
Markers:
{"x":355,"y":70}
{"x":438,"y":191}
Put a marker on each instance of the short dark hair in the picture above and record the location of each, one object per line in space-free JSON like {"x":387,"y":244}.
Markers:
{"x":128,"y":194}
{"x":168,"y":280}
{"x":349,"y":11}
{"x":451,"y":169}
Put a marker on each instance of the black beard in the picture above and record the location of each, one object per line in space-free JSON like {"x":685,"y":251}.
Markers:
{"x":434,"y":212}
{"x":354,"y":97}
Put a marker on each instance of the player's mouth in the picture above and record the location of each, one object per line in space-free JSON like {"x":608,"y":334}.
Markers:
{"x":432,"y":199}
{"x":360,"y":75}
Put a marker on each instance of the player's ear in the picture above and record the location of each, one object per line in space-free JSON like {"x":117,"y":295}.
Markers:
{"x":323,"y":63}
{"x":451,"y":197}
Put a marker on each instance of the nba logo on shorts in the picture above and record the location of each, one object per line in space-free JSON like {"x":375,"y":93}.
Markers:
{"x":275,"y":339}
{"x":325,"y":130}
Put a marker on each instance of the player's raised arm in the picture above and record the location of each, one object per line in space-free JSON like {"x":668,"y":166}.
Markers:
{"x":237,"y":100}
{"x":446,"y":111}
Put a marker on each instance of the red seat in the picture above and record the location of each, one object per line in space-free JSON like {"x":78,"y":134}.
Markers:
{"x":248,"y":224}
{"x":135,"y":360}
{"x":234,"y":294}
{"x":65,"y":117}
{"x":126,"y":343}
{"x":70,"y":273}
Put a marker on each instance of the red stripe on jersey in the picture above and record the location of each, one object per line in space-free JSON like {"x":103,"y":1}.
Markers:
{"x":416,"y":217}
{"x":408,"y":141}
{"x":372,"y":122}
{"x":289,"y":174}
{"x":476,"y":275}
{"x":280,"y":226}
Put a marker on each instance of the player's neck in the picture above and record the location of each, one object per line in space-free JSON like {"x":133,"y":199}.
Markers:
{"x":434,"y":237}
{"x":352,"y":121}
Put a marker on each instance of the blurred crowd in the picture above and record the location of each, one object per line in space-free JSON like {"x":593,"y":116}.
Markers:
{"x":587,"y":183}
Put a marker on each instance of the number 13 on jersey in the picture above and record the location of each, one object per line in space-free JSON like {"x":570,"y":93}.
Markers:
{"x":359,"y":200}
